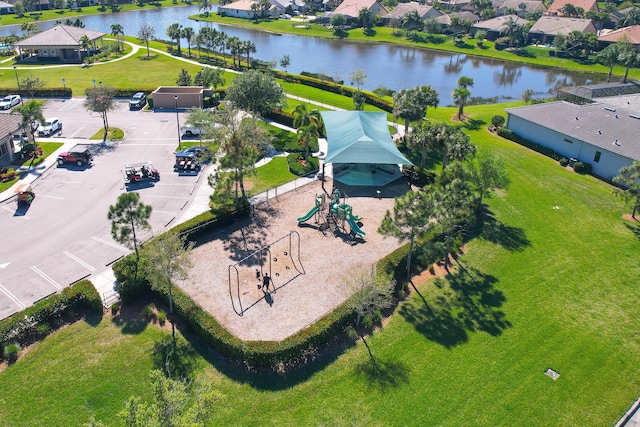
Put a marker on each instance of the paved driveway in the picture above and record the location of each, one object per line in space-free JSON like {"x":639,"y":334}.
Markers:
{"x":65,"y":235}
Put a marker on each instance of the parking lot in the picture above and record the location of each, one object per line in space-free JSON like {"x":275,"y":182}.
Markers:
{"x":64,"y":235}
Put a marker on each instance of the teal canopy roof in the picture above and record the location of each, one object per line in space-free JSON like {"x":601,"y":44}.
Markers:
{"x":360,"y":137}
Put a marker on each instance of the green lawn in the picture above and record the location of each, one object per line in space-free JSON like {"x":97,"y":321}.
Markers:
{"x":270,"y":176}
{"x":550,"y":282}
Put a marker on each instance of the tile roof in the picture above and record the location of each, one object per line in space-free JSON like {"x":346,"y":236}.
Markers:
{"x":9,"y":124}
{"x":403,"y":8}
{"x":587,"y":5}
{"x":632,"y":33}
{"x":555,"y":25}
{"x":610,"y":128}
{"x":352,"y":7}
{"x":499,"y":23}
{"x":60,"y":35}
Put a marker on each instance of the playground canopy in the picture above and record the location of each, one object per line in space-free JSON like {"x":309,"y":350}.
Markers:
{"x":358,"y":145}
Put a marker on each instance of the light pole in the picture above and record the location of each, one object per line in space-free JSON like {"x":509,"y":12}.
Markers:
{"x":178,"y":123}
{"x":15,"y":70}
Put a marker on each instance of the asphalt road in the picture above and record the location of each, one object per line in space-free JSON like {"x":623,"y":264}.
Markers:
{"x":64,"y":235}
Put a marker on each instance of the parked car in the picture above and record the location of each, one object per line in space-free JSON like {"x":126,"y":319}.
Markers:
{"x":80,"y":155}
{"x":190,"y":130}
{"x":137,"y":101}
{"x":50,"y":127}
{"x":10,"y":101}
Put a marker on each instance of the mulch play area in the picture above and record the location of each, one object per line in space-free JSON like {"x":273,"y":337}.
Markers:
{"x":303,"y":288}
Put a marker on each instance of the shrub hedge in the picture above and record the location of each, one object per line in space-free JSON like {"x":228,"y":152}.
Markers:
{"x":506,"y":133}
{"x":301,"y":170}
{"x":582,"y":167}
{"x":25,"y":326}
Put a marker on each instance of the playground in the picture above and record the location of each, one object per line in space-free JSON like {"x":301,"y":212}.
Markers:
{"x":306,"y":241}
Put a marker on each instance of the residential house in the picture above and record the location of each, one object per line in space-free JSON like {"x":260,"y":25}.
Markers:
{"x":6,"y":8}
{"x":548,"y":27}
{"x":10,"y":125}
{"x":502,"y":6}
{"x":423,"y":10}
{"x":282,"y":5}
{"x":61,"y":43}
{"x":445,"y":20}
{"x":495,"y":27}
{"x":555,"y":9}
{"x":604,"y":136}
{"x":454,"y":5}
{"x":629,"y":34}
{"x":241,"y":9}
{"x":351,"y":8}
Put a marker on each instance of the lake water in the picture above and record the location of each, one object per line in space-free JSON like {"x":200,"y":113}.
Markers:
{"x":395,"y":67}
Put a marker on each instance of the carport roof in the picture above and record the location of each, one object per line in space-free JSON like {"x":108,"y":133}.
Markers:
{"x":9,"y":123}
{"x":360,"y":137}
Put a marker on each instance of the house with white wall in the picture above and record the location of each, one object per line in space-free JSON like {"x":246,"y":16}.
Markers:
{"x":602,"y":135}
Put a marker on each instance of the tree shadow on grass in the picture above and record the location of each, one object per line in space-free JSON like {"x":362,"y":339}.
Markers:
{"x":492,"y":230}
{"x":175,"y":360}
{"x":468,"y":304}
{"x":383,"y":374}
{"x":474,"y":124}
{"x":634,"y":228}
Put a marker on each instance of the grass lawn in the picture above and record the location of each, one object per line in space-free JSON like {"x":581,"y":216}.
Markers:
{"x":550,"y":281}
{"x":270,"y":176}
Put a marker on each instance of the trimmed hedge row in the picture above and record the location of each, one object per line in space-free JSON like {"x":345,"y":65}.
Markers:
{"x":22,"y":327}
{"x":371,"y":99}
{"x":506,"y":133}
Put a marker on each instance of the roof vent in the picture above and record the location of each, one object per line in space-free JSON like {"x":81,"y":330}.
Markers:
{"x":616,"y":143}
{"x":610,"y":109}
{"x":576,"y":117}
{"x":600,"y":132}
{"x":616,"y":116}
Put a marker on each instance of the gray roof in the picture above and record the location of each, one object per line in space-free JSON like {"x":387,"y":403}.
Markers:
{"x":403,"y":8}
{"x":499,"y":23}
{"x":555,"y":25}
{"x":610,"y":128}
{"x":515,"y":4}
{"x":446,"y":19}
{"x":59,"y":35}
{"x":5,"y":5}
{"x":9,"y":124}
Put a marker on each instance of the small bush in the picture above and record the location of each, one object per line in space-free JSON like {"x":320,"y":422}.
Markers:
{"x":147,"y":311}
{"x":498,"y":121}
{"x":418,"y":177}
{"x":299,"y":166}
{"x":564,"y":162}
{"x":162,"y":317}
{"x":11,"y":351}
{"x":582,"y":168}
{"x":115,"y":307}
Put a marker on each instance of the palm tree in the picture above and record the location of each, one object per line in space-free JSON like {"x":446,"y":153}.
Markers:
{"x":512,"y":29}
{"x":302,"y":117}
{"x":306,"y":135}
{"x":187,"y":33}
{"x":412,"y":22}
{"x":174,"y":32}
{"x":628,"y":57}
{"x":460,"y":96}
{"x":117,"y":31}
{"x":31,"y":112}
{"x":609,"y":57}
{"x":248,"y":47}
{"x":234,"y":46}
{"x":465,"y":82}
{"x":206,"y":6}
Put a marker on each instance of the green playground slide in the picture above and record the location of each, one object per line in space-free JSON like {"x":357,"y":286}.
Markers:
{"x":309,"y":215}
{"x":354,"y":226}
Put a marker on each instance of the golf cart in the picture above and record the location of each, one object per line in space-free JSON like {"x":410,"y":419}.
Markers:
{"x":137,"y":172}
{"x":187,"y":161}
{"x":24,"y":195}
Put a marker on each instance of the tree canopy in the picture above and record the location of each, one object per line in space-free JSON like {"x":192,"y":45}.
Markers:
{"x":256,"y":92}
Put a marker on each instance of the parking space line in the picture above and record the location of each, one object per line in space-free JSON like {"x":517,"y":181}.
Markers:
{"x":113,"y":245}
{"x":79,"y":261}
{"x":13,"y":212}
{"x":45,"y":277}
{"x":53,"y":181}
{"x":12,"y":297}
{"x":46,"y":196}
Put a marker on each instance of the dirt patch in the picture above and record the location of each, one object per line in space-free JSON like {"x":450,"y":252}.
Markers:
{"x":628,"y":217}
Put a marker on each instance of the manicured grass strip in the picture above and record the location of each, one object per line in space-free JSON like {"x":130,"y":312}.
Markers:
{"x":269,"y":176}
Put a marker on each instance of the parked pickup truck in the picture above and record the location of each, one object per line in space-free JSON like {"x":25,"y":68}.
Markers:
{"x":80,"y":155}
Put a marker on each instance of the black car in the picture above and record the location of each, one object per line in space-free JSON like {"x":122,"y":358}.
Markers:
{"x":138,"y":101}
{"x":203,"y":153}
